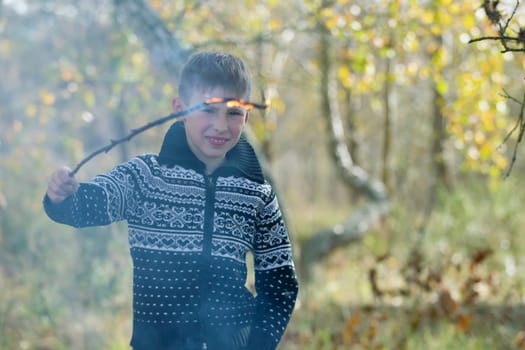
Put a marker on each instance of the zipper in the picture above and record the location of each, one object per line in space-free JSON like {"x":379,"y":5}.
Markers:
{"x":205,"y":261}
{"x":208,"y":214}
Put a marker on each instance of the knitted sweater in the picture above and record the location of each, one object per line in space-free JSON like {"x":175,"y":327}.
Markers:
{"x":189,"y":234}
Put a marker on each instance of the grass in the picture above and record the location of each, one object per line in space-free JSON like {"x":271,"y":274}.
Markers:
{"x":454,"y":285}
{"x":468,"y":259}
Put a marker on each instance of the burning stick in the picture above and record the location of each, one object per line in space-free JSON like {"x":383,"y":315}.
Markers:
{"x":230,"y":102}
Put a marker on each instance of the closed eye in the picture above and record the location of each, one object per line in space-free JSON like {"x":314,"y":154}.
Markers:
{"x":236,"y":112}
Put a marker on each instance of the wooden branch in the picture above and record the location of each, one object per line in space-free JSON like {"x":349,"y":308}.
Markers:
{"x":177,"y":115}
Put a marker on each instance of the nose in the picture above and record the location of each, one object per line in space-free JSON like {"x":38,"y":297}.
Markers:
{"x":220,"y":122}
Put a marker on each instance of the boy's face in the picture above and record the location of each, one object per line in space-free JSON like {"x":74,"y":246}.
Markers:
{"x":215,"y":130}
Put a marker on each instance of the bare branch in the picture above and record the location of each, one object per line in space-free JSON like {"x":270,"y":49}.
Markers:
{"x":520,"y":123}
{"x":177,"y":115}
{"x":510,"y":44}
{"x":499,"y":37}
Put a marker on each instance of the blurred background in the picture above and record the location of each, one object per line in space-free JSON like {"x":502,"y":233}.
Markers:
{"x":390,"y":139}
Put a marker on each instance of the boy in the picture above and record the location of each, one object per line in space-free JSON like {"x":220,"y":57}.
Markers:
{"x":194,"y":211}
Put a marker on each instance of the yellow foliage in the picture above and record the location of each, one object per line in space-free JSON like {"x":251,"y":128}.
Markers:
{"x":47,"y":97}
{"x":165,"y":13}
{"x":427,"y":17}
{"x":156,"y":4}
{"x":275,"y":24}
{"x":331,"y":23}
{"x":138,"y":59}
{"x":468,"y":22}
{"x":327,"y":13}
{"x":277,"y":104}
{"x":500,"y":161}
{"x":89,"y":98}
{"x":410,"y":43}
{"x":168,"y":89}
{"x":479,"y":138}
{"x":31,"y":110}
{"x":487,"y":122}
{"x":485,"y":151}
{"x":66,"y":74}
{"x":345,"y":76}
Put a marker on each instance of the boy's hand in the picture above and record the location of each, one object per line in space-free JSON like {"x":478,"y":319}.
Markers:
{"x":61,"y":185}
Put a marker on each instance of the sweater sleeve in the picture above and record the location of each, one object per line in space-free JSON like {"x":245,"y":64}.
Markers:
{"x":275,"y":279}
{"x":86,"y":207}
{"x":99,"y":202}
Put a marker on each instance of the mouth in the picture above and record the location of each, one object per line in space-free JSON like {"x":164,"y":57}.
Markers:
{"x":217,"y":141}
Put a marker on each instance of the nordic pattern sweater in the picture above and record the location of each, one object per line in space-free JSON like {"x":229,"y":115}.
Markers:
{"x":189,"y":234}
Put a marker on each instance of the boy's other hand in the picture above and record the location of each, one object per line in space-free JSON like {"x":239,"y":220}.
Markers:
{"x":61,"y":185}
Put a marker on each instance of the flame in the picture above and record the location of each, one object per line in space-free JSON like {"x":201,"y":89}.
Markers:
{"x":232,"y":102}
{"x":236,"y":103}
{"x":213,"y":100}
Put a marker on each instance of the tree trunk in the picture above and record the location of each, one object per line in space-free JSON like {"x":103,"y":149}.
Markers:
{"x":387,"y":129}
{"x":440,"y":176}
{"x":353,"y":141}
{"x":322,"y":243}
{"x":438,"y":139}
{"x":164,"y":50}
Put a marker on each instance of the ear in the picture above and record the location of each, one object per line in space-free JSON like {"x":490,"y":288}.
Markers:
{"x":178,"y":106}
{"x":247,"y":117}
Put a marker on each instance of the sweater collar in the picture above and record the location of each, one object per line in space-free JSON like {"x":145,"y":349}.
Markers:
{"x":240,"y":160}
